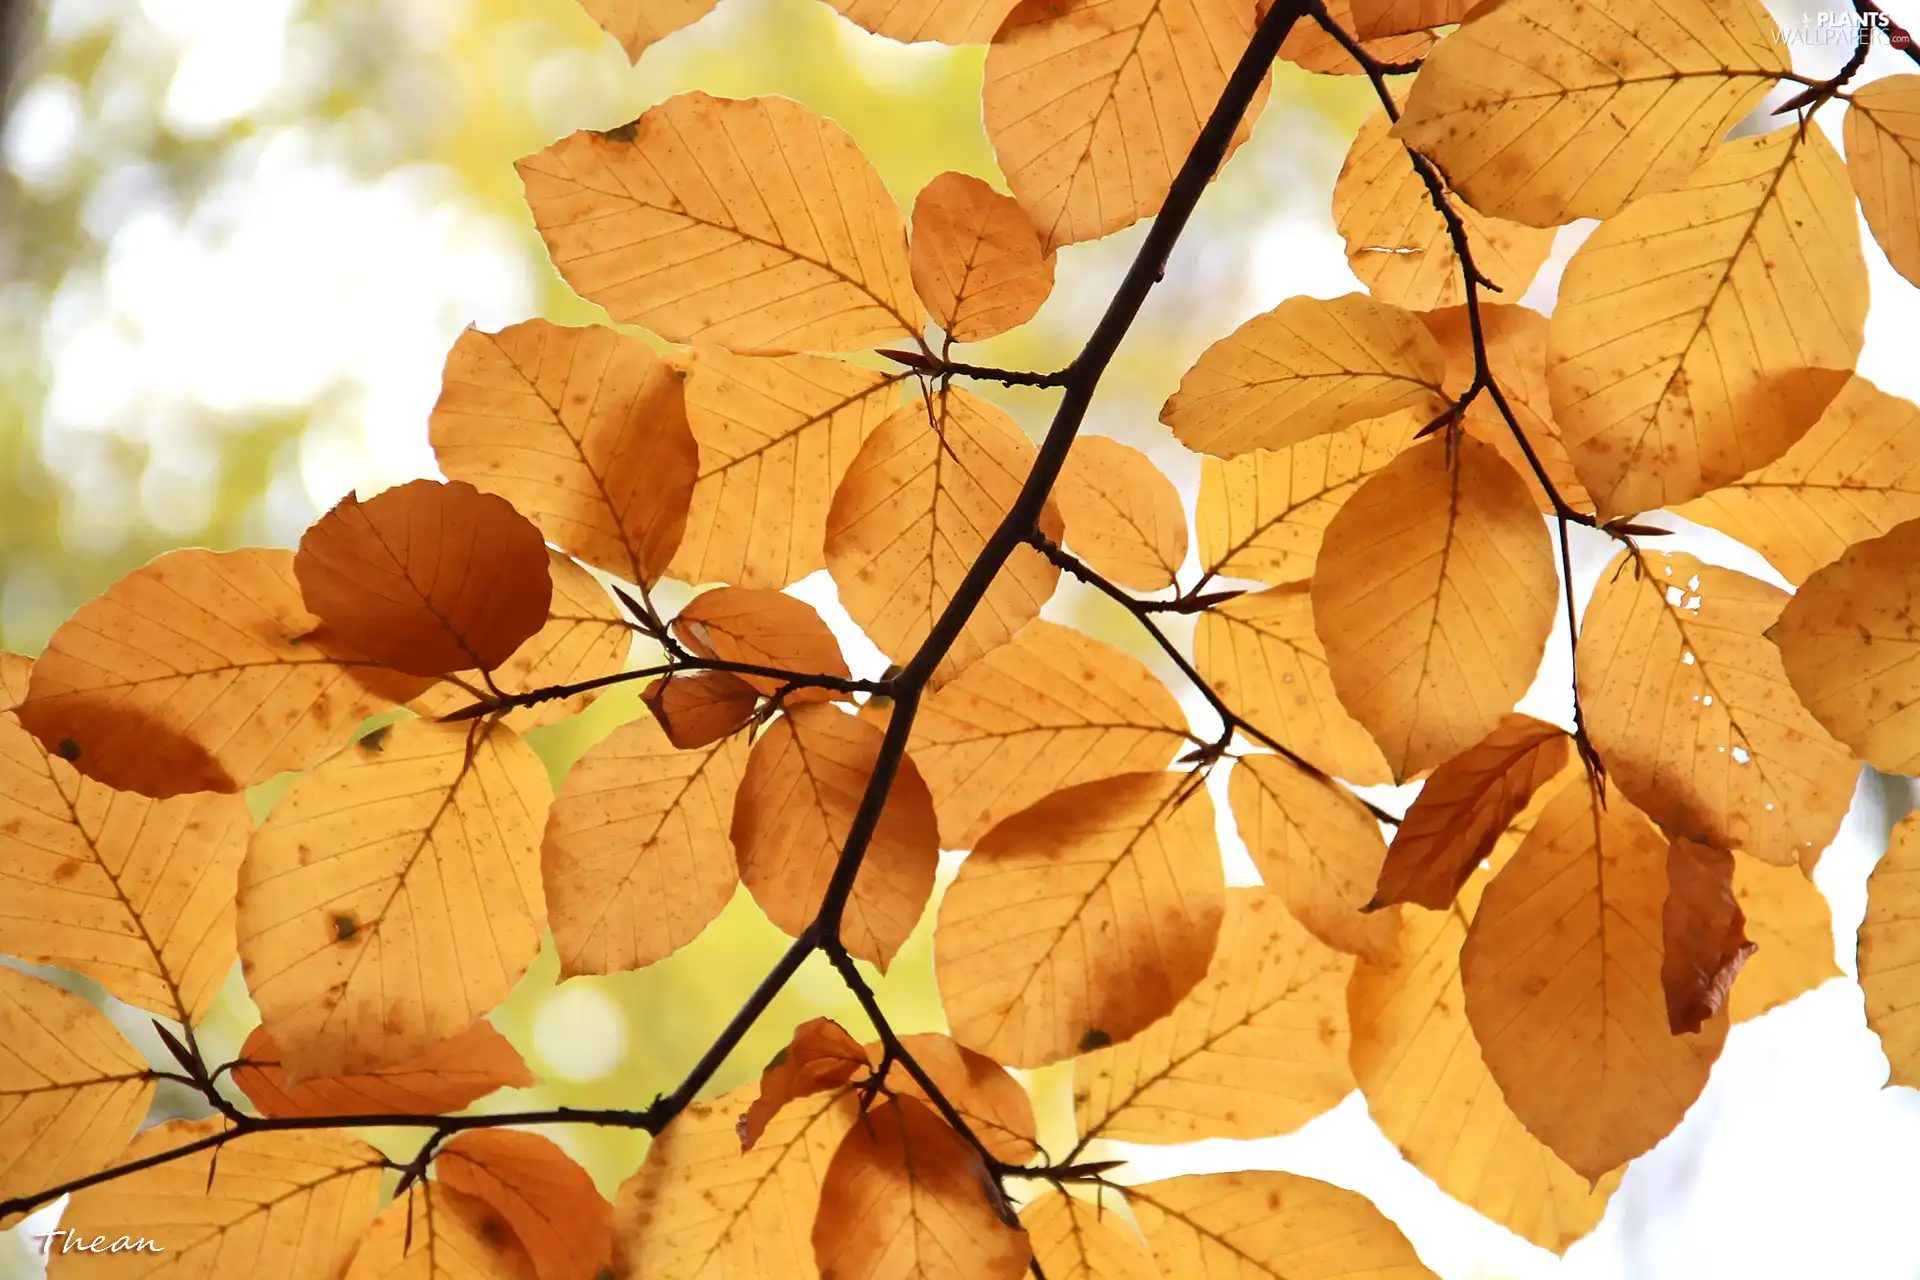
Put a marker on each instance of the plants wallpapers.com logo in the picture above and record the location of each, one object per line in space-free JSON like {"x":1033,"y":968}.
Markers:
{"x":1843,"y":30}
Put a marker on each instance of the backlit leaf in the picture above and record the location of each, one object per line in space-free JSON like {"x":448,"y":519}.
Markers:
{"x":764,"y":629}
{"x":994,"y":1105}
{"x":1312,"y":49}
{"x":1789,"y":920}
{"x":434,"y":1232}
{"x":638,"y":23}
{"x":1375,"y":18}
{"x":978,"y":263}
{"x":452,"y":1075}
{"x":16,"y":670}
{"x":1883,"y":162}
{"x":551,"y":1204}
{"x":1704,"y":934}
{"x":1075,"y":1239}
{"x":1269,"y":1226}
{"x":1123,"y":515}
{"x":821,"y":1058}
{"x":698,"y":708}
{"x":948,"y":21}
{"x":1889,"y":949}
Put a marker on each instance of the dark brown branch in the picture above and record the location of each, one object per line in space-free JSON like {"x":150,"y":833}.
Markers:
{"x":938,"y":367}
{"x":688,"y":662}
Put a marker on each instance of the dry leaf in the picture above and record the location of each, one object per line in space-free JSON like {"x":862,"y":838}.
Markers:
{"x":1690,"y":708}
{"x":1049,"y":709}
{"x":763,"y":629}
{"x":1303,"y":369}
{"x":978,"y":263}
{"x":1310,"y":48}
{"x":1257,"y":1049}
{"x":1543,"y":113}
{"x":1435,"y":595}
{"x":914,"y":513}
{"x":1789,"y":920}
{"x":583,"y":430}
{"x":201,"y":671}
{"x":994,"y":1105}
{"x":1561,"y":970}
{"x":434,"y":1232}
{"x":948,"y":21}
{"x":1889,"y":946}
{"x":822,"y":1058}
{"x":1883,"y":162}
{"x":1075,"y":1239}
{"x":1373,"y":19}
{"x":1120,"y":891}
{"x":803,"y":784}
{"x":16,"y":671}
{"x":698,"y":708}
{"x":1704,"y":934}
{"x":360,"y":892}
{"x":638,"y":23}
{"x":1463,"y":809}
{"x":748,"y":223}
{"x":451,"y":1076}
{"x":427,"y":578}
{"x":1270,"y":1226}
{"x":1704,"y":330}
{"x":1123,"y":515}
{"x":550,"y":1203}
{"x":638,"y":858}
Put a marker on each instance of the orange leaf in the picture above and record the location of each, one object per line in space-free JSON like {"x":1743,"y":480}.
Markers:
{"x":1789,"y":920}
{"x":638,"y":23}
{"x":1375,"y":18}
{"x":1123,"y":514}
{"x":1312,"y":49}
{"x":994,"y":1105}
{"x":698,"y":708}
{"x":762,"y":629}
{"x":559,"y":1216}
{"x":1270,"y":1226}
{"x":977,"y":262}
{"x":822,"y":1057}
{"x":434,"y":1232}
{"x":452,"y":1075}
{"x":948,"y":21}
{"x":1075,"y":1239}
{"x":15,"y":671}
{"x":1703,"y":934}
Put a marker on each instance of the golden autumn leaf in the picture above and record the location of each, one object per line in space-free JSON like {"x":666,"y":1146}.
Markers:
{"x":1690,"y":708}
{"x":552,"y":1206}
{"x":977,"y":261}
{"x":427,"y":578}
{"x":906,"y":1196}
{"x":434,"y":1232}
{"x":1075,"y":1239}
{"x":1373,"y":19}
{"x":201,"y":671}
{"x":16,"y":671}
{"x":1463,"y":809}
{"x":1853,"y":476}
{"x":1435,"y":595}
{"x":583,"y":430}
{"x":638,"y":856}
{"x":1091,"y":105}
{"x":948,"y":21}
{"x":1258,"y":1048}
{"x":1561,"y":970}
{"x":776,"y":434}
{"x":638,"y":23}
{"x":1789,"y":920}
{"x":1543,"y":113}
{"x":1303,"y":369}
{"x":821,"y":1058}
{"x":1121,"y":887}
{"x":779,"y":237}
{"x":1270,"y":1226}
{"x":1261,"y":515}
{"x":1260,"y":654}
{"x":1882,"y":134}
{"x":763,"y":629}
{"x":1317,"y":847}
{"x":803,"y":784}
{"x":1309,"y":47}
{"x":1399,"y":245}
{"x":698,"y":708}
{"x":1703,"y":938}
{"x":914,"y":512}
{"x":1889,"y":948}
{"x":359,"y":893}
{"x":452,"y":1075}
{"x":1123,"y":516}
{"x":1049,"y":709}
{"x":135,"y":893}
{"x":72,"y":1090}
{"x":1704,"y":330}
{"x":289,"y":1205}
{"x":994,"y":1105}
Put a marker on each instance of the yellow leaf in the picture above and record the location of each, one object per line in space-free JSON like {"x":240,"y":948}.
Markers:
{"x":762,"y":629}
{"x":698,"y":708}
{"x":559,"y":1217}
{"x":638,"y":858}
{"x":638,"y":23}
{"x":288,"y":1205}
{"x":1543,"y":113}
{"x":776,"y":435}
{"x":1245,"y":1226}
{"x":1260,"y":654}
{"x":1123,"y":515}
{"x":978,"y":263}
{"x":1435,"y":594}
{"x":748,"y":223}
{"x":1120,"y":887}
{"x":201,"y":671}
{"x":803,"y":784}
{"x":72,"y":1090}
{"x":821,"y":1058}
{"x":1092,"y":105}
{"x":1261,"y":515}
{"x":1704,"y":330}
{"x":583,"y":430}
{"x":994,"y":1105}
{"x":1257,"y":1049}
{"x":1049,"y":709}
{"x":913,"y":514}
{"x":948,"y":21}
{"x":434,"y":1232}
{"x":1889,"y":948}
{"x":1312,"y":49}
{"x":16,"y":670}
{"x":1561,"y":971}
{"x":1375,"y":18}
{"x":1883,"y":160}
{"x":1788,"y":918}
{"x":360,"y":894}
{"x":452,"y":1075}
{"x":1848,"y":644}
{"x":1075,"y":1239}
{"x":1690,"y":708}
{"x":1317,"y":847}
{"x":1399,"y":245}
{"x":1852,"y":477}
{"x":1303,"y":369}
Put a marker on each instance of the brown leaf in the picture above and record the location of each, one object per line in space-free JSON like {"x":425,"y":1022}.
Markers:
{"x":1461,"y":811}
{"x":780,"y":237}
{"x":1789,"y":920}
{"x":1120,"y":887}
{"x":1889,"y":944}
{"x":583,"y":430}
{"x":360,"y":892}
{"x":1257,"y":1049}
{"x":977,"y":262}
{"x":1049,"y":709}
{"x":802,"y":786}
{"x":427,"y":578}
{"x":1123,"y":514}
{"x":552,"y":1206}
{"x":201,"y":671}
{"x":1075,"y":1239}
{"x":1375,"y":18}
{"x":994,"y":1105}
{"x":637,"y":858}
{"x":1312,"y":49}
{"x":1883,"y":157}
{"x":452,"y":1075}
{"x":435,"y":1232}
{"x":764,"y":629}
{"x":638,"y":23}
{"x":1703,"y":934}
{"x":905,"y":1195}
{"x":822,"y":1057}
{"x":1435,"y":595}
{"x":698,"y":708}
{"x":948,"y":21}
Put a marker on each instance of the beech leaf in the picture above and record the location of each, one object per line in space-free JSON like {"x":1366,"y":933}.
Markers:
{"x":698,"y":708}
{"x":994,"y":1105}
{"x":1889,"y":944}
{"x":822,"y":1057}
{"x":1883,"y":161}
{"x":1075,"y":1239}
{"x":1123,"y":515}
{"x":978,"y":263}
{"x":552,"y":1206}
{"x":434,"y":1232}
{"x":765,"y":629}
{"x":1270,"y":1226}
{"x":1311,"y":48}
{"x":1791,"y":924}
{"x":1704,"y":940}
{"x":948,"y":21}
{"x":639,"y":23}
{"x":452,"y":1075}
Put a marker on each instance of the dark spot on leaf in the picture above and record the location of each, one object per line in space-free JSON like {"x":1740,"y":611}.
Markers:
{"x":345,"y":928}
{"x":67,"y":749}
{"x":375,"y":741}
{"x":1094,"y":1039}
{"x":622,"y":133}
